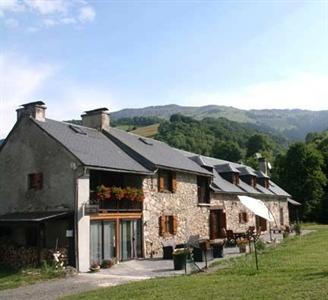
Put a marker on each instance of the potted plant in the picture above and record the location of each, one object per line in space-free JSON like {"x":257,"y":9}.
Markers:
{"x":140,"y":195}
{"x":118,"y":193}
{"x":95,"y":267}
{"x":217,"y":247}
{"x":180,"y":258}
{"x":131,"y":193}
{"x":242,"y":245}
{"x":106,"y":264}
{"x":103,"y":192}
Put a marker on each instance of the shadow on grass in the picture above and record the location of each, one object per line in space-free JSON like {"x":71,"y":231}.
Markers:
{"x":316,"y":275}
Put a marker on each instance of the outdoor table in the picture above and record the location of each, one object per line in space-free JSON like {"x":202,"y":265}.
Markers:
{"x":239,"y":235}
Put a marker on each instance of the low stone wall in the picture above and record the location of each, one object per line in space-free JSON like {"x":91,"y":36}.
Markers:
{"x":192,"y":219}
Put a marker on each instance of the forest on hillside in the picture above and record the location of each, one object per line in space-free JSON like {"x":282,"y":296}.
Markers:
{"x":220,"y":138}
{"x":300,"y":168}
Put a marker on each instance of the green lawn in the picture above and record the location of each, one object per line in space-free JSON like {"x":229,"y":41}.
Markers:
{"x":11,"y":279}
{"x":296,"y":269}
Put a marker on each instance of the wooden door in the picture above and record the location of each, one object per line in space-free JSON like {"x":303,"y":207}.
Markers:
{"x":261,"y":223}
{"x":217,"y":224}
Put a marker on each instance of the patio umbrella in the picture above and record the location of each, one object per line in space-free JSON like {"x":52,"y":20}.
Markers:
{"x":257,"y":207}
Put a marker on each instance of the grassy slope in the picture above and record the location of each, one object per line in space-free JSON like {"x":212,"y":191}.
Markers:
{"x":147,"y":131}
{"x":297,"y":269}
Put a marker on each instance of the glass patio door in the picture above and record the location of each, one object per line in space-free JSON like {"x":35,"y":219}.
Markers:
{"x":102,"y":241}
{"x":109,"y":239}
{"x":95,"y":242}
{"x":130,"y":233}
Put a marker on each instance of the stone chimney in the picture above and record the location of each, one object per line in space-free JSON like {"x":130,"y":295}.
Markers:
{"x":96,"y":118}
{"x":263,"y":166}
{"x":36,"y":110}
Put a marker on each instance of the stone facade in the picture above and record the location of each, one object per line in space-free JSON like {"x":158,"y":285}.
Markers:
{"x":280,"y":212}
{"x":193,"y":219}
{"x":232,"y":207}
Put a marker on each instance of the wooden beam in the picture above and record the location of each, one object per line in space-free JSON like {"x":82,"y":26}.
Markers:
{"x":114,"y":216}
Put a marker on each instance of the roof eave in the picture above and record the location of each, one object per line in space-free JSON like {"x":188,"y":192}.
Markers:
{"x":206,"y":174}
{"x":101,"y":168}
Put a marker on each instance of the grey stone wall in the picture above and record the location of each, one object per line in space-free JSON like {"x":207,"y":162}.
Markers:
{"x":30,"y":150}
{"x":192,"y":218}
{"x":274,"y":207}
{"x":232,"y":207}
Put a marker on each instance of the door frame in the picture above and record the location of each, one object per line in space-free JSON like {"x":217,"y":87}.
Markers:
{"x":221,"y":221}
{"x":117,"y":218}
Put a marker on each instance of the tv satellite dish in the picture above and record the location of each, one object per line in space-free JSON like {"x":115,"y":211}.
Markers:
{"x":269,"y":166}
{"x":258,"y":155}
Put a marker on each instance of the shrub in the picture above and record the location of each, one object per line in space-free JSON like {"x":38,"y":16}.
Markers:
{"x":285,"y":234}
{"x":298,"y":228}
{"x":260,"y":245}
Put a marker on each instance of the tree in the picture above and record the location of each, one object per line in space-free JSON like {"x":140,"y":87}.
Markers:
{"x":257,"y":143}
{"x":227,"y":151}
{"x":299,"y":171}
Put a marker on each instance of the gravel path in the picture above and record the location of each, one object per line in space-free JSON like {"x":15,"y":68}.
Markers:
{"x":57,"y":288}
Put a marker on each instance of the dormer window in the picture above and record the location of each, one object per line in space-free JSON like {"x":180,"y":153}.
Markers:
{"x":228,"y":172}
{"x":236,"y":179}
{"x":263,"y":179}
{"x":253,"y":181}
{"x":248,"y":176}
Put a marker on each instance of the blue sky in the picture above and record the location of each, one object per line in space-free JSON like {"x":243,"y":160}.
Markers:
{"x":77,"y":55}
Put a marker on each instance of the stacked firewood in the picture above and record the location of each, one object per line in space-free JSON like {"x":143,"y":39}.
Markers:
{"x":15,"y":257}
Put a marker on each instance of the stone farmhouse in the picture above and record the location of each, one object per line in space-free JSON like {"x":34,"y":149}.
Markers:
{"x":104,"y":193}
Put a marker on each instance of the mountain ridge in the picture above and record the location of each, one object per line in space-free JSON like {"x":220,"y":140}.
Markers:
{"x":294,"y":124}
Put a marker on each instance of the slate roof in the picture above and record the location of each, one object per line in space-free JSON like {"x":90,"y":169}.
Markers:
{"x":260,"y":174}
{"x":263,"y":190}
{"x":247,"y":188}
{"x":91,"y":147}
{"x":277,"y":189}
{"x":222,"y":185}
{"x":226,"y":168}
{"x":246,"y":171}
{"x":157,"y":153}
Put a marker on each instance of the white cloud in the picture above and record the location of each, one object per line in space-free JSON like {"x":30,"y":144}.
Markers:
{"x":305,"y":91}
{"x":23,"y":81}
{"x":87,"y":14}
{"x":46,"y":7}
{"x":20,"y":81}
{"x":10,"y":6}
{"x":49,"y":12}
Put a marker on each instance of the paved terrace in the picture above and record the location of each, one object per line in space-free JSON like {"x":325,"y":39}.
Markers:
{"x":121,"y":273}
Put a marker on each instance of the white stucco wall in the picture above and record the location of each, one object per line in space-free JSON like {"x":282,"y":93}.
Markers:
{"x":83,"y":225}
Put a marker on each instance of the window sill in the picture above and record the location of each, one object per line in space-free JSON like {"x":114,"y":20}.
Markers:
{"x":204,"y":204}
